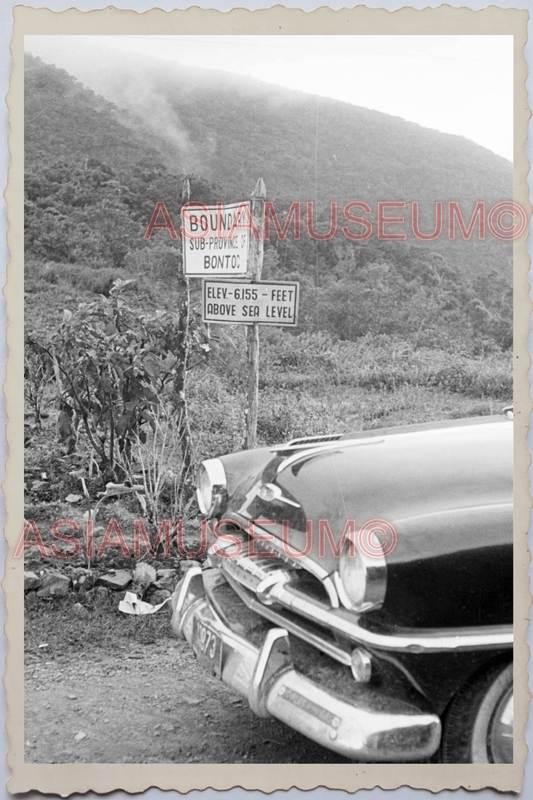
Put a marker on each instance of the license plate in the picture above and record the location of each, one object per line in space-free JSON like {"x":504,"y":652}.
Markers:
{"x":207,"y":645}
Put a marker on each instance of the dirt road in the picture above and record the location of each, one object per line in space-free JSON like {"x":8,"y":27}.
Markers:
{"x":146,"y":704}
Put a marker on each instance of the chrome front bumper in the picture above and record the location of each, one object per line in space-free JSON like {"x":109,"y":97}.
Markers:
{"x":371,"y":727}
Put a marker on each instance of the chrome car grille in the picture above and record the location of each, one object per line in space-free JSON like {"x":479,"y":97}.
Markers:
{"x":260,"y":566}
{"x":294,"y":594}
{"x":252,"y":571}
{"x":265,"y":579}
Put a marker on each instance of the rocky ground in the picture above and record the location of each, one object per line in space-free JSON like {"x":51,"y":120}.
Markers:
{"x":147,"y":704}
{"x":104,"y":687}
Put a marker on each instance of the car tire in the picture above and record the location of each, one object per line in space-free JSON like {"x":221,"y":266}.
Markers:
{"x":478,"y":725}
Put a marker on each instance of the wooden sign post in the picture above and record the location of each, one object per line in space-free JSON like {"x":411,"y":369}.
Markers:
{"x":180,"y":399}
{"x":256,"y":266}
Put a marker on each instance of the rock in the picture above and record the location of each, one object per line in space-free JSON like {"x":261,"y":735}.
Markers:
{"x":38,"y":485}
{"x":169,"y":583}
{"x":53,"y":584}
{"x":162,"y":574}
{"x":159,"y":596}
{"x":31,"y":599}
{"x":79,"y":736}
{"x":84,"y":587}
{"x":168,"y":727}
{"x":78,"y":572}
{"x":189,"y":564}
{"x":99,"y":595}
{"x":167,"y":579}
{"x":144,"y":574}
{"x":79,"y":611}
{"x":31,"y":581}
{"x":82,"y":579}
{"x":32,"y":562}
{"x":116,"y":580}
{"x":73,"y":498}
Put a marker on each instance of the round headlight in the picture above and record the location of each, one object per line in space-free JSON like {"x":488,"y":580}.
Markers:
{"x":211,"y":486}
{"x":362,"y":579}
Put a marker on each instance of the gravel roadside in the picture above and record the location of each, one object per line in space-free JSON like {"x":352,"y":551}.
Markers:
{"x":146,"y":703}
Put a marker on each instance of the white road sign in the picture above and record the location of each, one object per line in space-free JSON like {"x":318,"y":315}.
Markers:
{"x":239,"y":302}
{"x":216,"y":239}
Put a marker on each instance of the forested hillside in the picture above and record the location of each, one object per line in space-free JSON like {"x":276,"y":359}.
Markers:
{"x":91,"y":185}
{"x":230,"y":131}
{"x":233,"y":129}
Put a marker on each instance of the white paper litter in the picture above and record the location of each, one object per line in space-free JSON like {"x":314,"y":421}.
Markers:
{"x":132,"y":605}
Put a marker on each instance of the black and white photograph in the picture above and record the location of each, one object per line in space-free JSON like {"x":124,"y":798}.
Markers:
{"x":268,"y":399}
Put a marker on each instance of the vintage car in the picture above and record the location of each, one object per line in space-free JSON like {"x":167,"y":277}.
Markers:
{"x":360,"y":588}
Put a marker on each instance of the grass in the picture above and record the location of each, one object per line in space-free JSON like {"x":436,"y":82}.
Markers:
{"x":105,"y":628}
{"x":51,"y":287}
{"x":385,"y":363}
{"x":284,"y":416}
{"x":309,"y":383}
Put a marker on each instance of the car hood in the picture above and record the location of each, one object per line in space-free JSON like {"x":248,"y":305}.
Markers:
{"x":422,"y":481}
{"x":446,"y":490}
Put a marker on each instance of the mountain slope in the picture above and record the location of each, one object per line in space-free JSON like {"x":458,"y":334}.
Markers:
{"x":62,"y":118}
{"x":228,"y":131}
{"x":231,"y":130}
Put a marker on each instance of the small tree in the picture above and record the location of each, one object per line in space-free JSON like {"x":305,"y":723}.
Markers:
{"x":112,"y":364}
{"x":38,"y":369}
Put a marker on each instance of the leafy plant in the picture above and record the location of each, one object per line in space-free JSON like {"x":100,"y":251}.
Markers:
{"x":155,"y":463}
{"x":38,"y":369}
{"x":89,"y":517}
{"x":112,"y":364}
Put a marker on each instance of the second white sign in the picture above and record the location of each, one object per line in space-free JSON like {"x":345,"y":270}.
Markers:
{"x":266,"y":303}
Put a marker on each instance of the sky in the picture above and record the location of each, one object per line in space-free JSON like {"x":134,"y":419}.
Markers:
{"x":455,"y":84}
